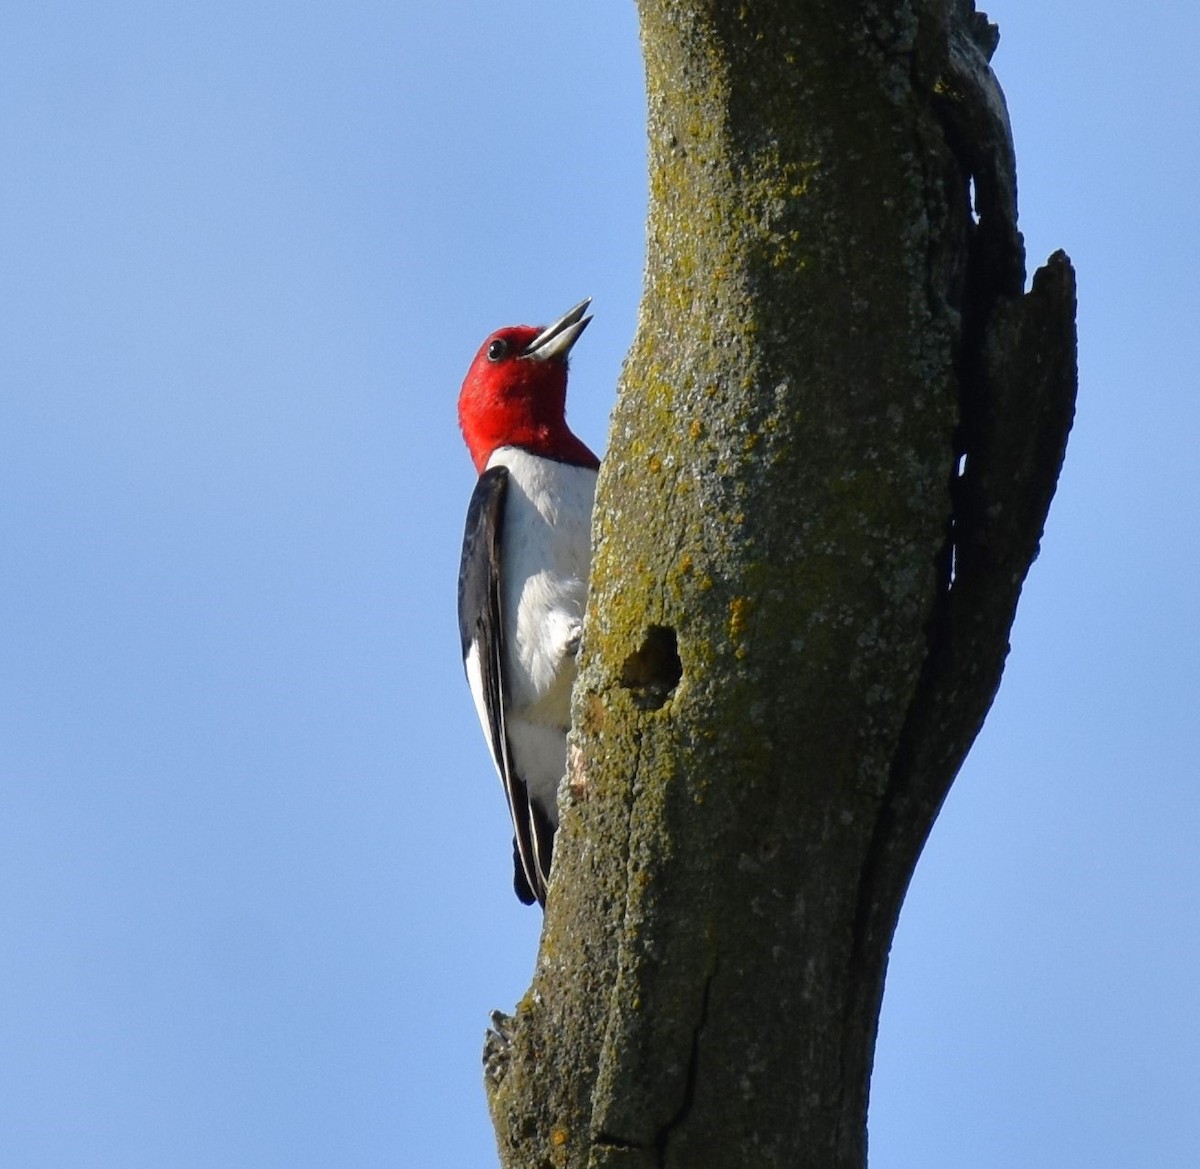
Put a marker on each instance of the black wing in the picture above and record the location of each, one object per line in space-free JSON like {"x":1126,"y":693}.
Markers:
{"x":481,"y":628}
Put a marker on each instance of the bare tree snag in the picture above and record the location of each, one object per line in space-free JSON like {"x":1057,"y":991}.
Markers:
{"x":835,"y":443}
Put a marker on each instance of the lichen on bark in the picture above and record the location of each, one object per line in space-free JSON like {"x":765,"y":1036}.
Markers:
{"x":835,"y":440}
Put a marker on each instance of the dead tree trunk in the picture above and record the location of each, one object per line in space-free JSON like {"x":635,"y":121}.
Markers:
{"x":836,"y":439}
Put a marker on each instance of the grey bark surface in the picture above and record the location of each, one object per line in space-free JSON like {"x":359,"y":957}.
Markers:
{"x":835,"y":443}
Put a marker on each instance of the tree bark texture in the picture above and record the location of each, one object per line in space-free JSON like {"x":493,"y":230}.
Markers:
{"x":835,"y":443}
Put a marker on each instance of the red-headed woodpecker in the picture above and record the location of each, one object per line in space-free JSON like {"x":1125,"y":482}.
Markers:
{"x":523,"y":580}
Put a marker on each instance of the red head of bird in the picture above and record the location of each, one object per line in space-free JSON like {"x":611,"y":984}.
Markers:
{"x":515,"y":392}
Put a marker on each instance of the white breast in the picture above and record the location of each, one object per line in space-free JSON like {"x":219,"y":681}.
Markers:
{"x":545,"y":555}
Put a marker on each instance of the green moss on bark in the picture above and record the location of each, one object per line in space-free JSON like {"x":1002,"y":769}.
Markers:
{"x":775,"y":509}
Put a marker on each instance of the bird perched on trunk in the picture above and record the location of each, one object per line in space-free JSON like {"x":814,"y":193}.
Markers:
{"x":522,"y":584}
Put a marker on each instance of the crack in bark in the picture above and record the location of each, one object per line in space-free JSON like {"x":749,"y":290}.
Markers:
{"x":626,"y":930}
{"x":689,"y":1092}
{"x":605,"y":1140}
{"x":1000,"y":486}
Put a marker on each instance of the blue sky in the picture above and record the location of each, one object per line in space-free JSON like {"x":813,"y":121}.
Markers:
{"x":254,"y":886}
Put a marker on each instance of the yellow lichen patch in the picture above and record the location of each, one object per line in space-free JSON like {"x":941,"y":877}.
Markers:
{"x":597,"y":714}
{"x":680,"y":574}
{"x":739,"y":613}
{"x":696,"y":430}
{"x":654,"y":462}
{"x":559,"y":1136}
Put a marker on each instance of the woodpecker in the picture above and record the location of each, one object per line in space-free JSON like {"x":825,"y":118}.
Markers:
{"x":522,"y":583}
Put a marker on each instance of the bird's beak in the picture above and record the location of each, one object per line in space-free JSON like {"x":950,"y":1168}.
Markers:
{"x":555,"y":340}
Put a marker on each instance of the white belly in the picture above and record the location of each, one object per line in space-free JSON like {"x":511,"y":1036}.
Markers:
{"x":546,"y":551}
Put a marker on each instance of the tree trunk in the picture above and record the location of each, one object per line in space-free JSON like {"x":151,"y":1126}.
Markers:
{"x":835,"y":442}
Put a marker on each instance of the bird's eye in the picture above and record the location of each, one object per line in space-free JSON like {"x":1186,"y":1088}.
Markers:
{"x":498,"y":349}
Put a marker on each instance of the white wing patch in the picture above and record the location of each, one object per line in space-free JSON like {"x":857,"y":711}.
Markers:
{"x":475,"y":681}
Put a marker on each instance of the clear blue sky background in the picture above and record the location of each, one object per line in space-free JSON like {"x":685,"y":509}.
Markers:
{"x":254,"y":874}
